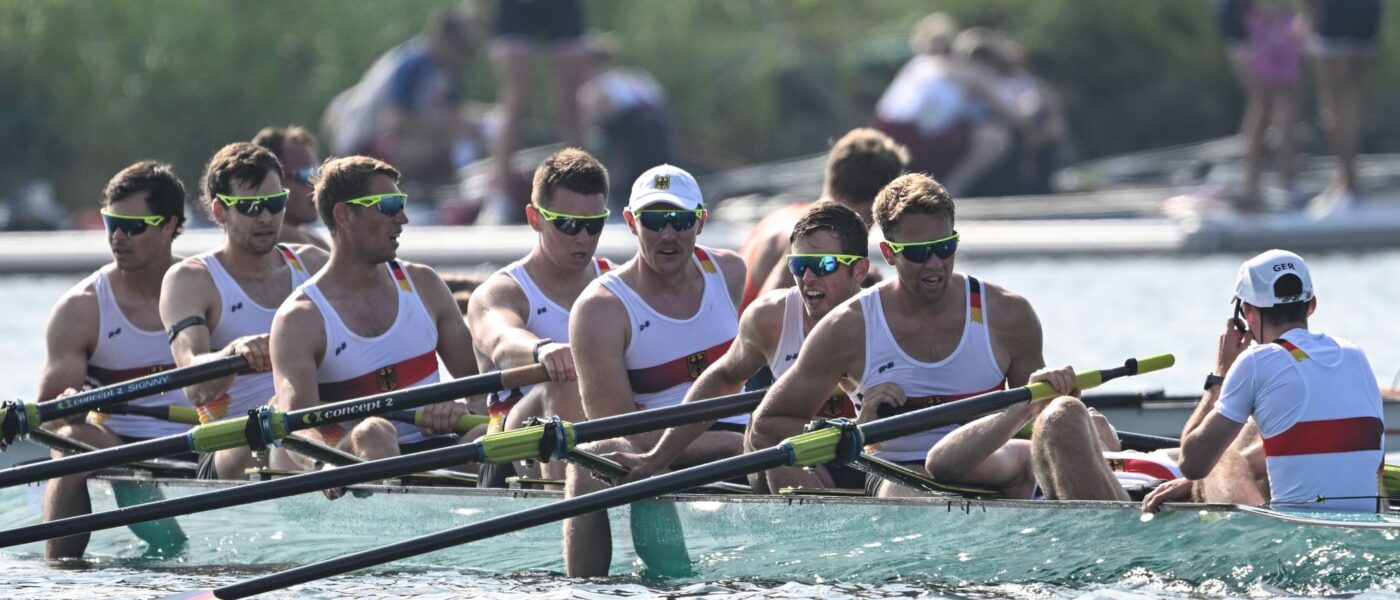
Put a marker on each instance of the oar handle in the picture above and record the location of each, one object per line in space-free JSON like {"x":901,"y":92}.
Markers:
{"x":465,"y":423}
{"x":174,"y":414}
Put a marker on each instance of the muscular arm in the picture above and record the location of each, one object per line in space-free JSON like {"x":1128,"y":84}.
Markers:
{"x":598,"y":333}
{"x":735,"y":273}
{"x":496,"y":315}
{"x":1016,"y":335}
{"x":454,"y":339}
{"x":298,"y":345}
{"x":70,"y":338}
{"x":187,"y":291}
{"x":1202,"y":447}
{"x":826,"y":356}
{"x":758,"y":338}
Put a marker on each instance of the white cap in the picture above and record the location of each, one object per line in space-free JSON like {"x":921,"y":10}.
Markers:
{"x":665,"y":183}
{"x":1255,"y":282}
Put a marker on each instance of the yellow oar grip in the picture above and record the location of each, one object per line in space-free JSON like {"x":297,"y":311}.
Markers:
{"x":464,"y":424}
{"x":1092,"y":379}
{"x":1155,"y":363}
{"x":184,"y":414}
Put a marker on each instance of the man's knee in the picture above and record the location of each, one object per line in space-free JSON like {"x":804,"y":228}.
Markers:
{"x":373,"y":430}
{"x":92,"y":435}
{"x":1061,"y":412}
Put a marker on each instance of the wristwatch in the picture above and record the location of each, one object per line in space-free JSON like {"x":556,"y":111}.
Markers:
{"x":1213,"y":380}
{"x":540,"y":344}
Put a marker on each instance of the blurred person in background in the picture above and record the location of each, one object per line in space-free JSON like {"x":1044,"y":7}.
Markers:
{"x":1031,"y":105}
{"x":1341,"y":40}
{"x":522,"y":28}
{"x":1265,"y":51}
{"x":295,"y":148}
{"x":408,"y":107}
{"x":939,"y":107}
{"x":626,"y":108}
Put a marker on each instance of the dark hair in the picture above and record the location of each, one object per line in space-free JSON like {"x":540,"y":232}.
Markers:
{"x":272,"y":139}
{"x":913,"y":193}
{"x":239,"y":162}
{"x":346,"y":179}
{"x":840,"y":220}
{"x":571,"y":169}
{"x":165,"y":192}
{"x":1290,"y":312}
{"x":862,"y":163}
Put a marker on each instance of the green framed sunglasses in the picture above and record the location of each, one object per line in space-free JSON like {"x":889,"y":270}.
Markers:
{"x":253,"y":206}
{"x":657,"y":219}
{"x":388,"y":204}
{"x":129,"y":224}
{"x":920,"y":252}
{"x":572,"y":224}
{"x":820,"y":264}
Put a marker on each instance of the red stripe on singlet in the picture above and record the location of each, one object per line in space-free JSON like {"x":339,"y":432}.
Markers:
{"x":1331,"y":436}
{"x":667,"y":375}
{"x":604,"y":265}
{"x":111,"y":376}
{"x":913,"y":404}
{"x":1141,"y":467}
{"x":402,"y":374}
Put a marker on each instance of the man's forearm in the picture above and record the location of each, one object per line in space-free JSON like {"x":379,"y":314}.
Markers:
{"x":203,"y":393}
{"x":1203,"y":409}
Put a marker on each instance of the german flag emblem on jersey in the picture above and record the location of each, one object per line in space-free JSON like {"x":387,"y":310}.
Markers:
{"x":696,"y":364}
{"x":387,"y":378}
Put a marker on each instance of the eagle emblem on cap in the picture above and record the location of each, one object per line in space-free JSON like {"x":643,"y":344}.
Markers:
{"x":663,"y":182}
{"x":387,"y":378}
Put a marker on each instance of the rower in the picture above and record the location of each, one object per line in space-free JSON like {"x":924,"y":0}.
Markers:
{"x":860,"y":164}
{"x":929,"y":336}
{"x":520,"y":316}
{"x":368,"y":322}
{"x":106,"y":329}
{"x":1313,"y":397}
{"x":827,"y":258}
{"x":220,"y":303}
{"x":643,"y":333}
{"x":295,"y":148}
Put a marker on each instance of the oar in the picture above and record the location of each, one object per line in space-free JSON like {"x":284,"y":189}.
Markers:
{"x":465,"y":423}
{"x":174,"y":414}
{"x":271,"y":425}
{"x":812,"y":448}
{"x":537,"y":441}
{"x":18,"y":418}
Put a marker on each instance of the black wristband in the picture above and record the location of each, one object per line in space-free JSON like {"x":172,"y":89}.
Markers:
{"x":540,"y":344}
{"x":184,"y":324}
{"x":1213,"y":380}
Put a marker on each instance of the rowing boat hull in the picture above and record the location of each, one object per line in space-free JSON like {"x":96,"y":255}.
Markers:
{"x":795,"y":538}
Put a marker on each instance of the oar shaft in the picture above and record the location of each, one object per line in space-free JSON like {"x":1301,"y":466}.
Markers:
{"x":1144,"y":442}
{"x":580,"y":505}
{"x":671,"y":416}
{"x":140,"y":387}
{"x":91,"y":461}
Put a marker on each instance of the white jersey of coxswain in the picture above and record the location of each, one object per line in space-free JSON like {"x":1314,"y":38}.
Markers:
{"x":1133,"y":468}
{"x":790,"y":343}
{"x":1318,"y":407}
{"x":970,"y":370}
{"x":125,"y":352}
{"x":404,"y":356}
{"x":665,"y":355}
{"x":242,"y":317}
{"x":545,"y":319}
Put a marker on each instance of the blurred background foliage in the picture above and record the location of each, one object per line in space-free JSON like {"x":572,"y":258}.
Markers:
{"x":89,"y":87}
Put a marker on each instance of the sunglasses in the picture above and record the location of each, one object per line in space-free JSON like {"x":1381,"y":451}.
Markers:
{"x":253,"y":206}
{"x":680,"y":220}
{"x":572,"y":224}
{"x":129,"y":224}
{"x":389,"y":205}
{"x":820,"y":264}
{"x":920,"y":252}
{"x":304,"y":175}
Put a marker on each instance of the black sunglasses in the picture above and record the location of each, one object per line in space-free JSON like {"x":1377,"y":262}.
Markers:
{"x":130,"y":225}
{"x":253,"y":206}
{"x":920,"y":252}
{"x":572,"y":224}
{"x":680,"y":220}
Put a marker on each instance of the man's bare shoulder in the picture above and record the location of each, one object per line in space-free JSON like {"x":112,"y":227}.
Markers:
{"x":312,"y":257}
{"x":1011,"y":309}
{"x":500,"y":290}
{"x":728,"y":259}
{"x":79,"y":302}
{"x":597,"y":300}
{"x":298,"y":313}
{"x":845,"y":322}
{"x":763,"y":319}
{"x":186,"y":274}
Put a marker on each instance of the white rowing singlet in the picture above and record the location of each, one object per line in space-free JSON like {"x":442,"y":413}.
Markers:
{"x":667,"y":355}
{"x":790,"y":343}
{"x":970,"y":370}
{"x":546,"y":319}
{"x":124,"y":352}
{"x":404,"y":356}
{"x":242,"y":317}
{"x":1318,"y":407}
